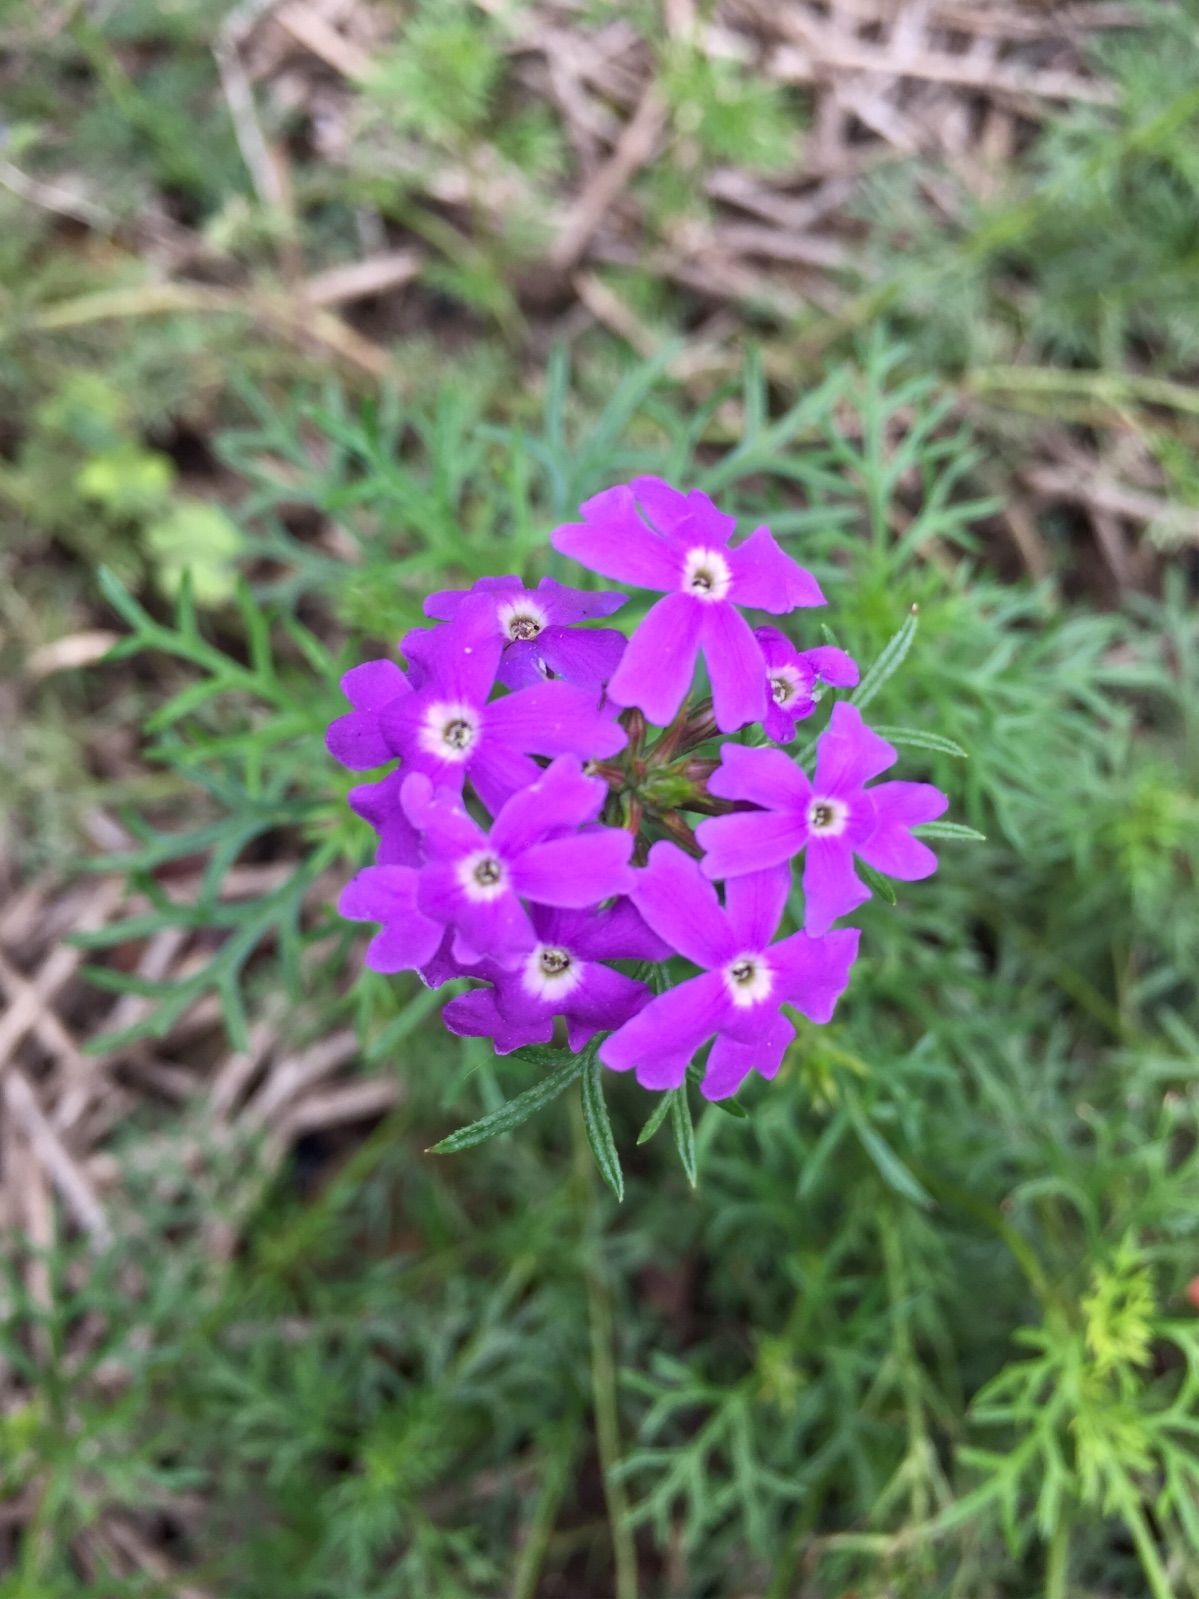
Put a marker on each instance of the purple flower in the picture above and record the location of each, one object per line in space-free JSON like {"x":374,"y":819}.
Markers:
{"x":791,"y":677}
{"x":746,"y":978}
{"x":356,"y":740}
{"x":536,"y":631}
{"x":650,"y":534}
{"x":475,"y":882}
{"x":447,"y":729}
{"x":562,"y":975}
{"x":833,"y":815}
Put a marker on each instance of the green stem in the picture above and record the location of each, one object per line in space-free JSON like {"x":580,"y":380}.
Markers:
{"x":603,"y":1370}
{"x":1151,"y":1564}
{"x":1057,"y":1570}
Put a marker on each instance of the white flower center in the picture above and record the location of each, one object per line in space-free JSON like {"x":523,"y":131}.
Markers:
{"x":748,"y":980}
{"x":827,"y":817}
{"x":706,"y":575}
{"x":784,"y":685}
{"x":450,"y":730}
{"x":482,"y":875}
{"x":551,"y":972}
{"x":521,"y":618}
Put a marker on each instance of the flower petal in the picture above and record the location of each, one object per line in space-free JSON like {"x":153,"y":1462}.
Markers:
{"x":831,"y":665}
{"x":388,"y":894}
{"x":660,"y":1040}
{"x":731,"y":1059}
{"x":749,"y":841}
{"x":560,"y":797}
{"x":848,"y":753}
{"x":444,"y":604}
{"x":812,"y":973}
{"x":680,"y":905}
{"x":612,"y":539}
{"x":356,"y":740}
{"x":576,"y":871}
{"x":566,"y":605}
{"x":498,"y":772}
{"x":554,"y":719}
{"x":830,"y":884}
{"x":604,"y":1000}
{"x":584,"y":656}
{"x":492,"y":929}
{"x":476,"y":1015}
{"x":736,"y":668}
{"x":754,"y":903}
{"x":765,"y":577}
{"x":619,"y":933}
{"x":658,"y":664}
{"x":765,"y":777}
{"x":683,"y":518}
{"x":379,"y":804}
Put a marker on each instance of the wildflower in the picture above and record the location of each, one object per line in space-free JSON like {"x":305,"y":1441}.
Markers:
{"x":447,"y":729}
{"x":791,"y":678}
{"x":832,"y":817}
{"x":474,"y":881}
{"x":562,"y":975}
{"x":356,"y":739}
{"x":745,"y":980}
{"x":536,"y":629}
{"x":650,"y":534}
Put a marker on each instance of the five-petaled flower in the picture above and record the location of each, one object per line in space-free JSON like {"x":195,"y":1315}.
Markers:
{"x":652,"y":535}
{"x":745,"y":981}
{"x":791,"y":679}
{"x":450,"y":729}
{"x":564,"y":974}
{"x":538,"y":632}
{"x":831,"y":817}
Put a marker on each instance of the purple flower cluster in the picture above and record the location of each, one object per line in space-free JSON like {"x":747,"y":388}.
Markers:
{"x":535,"y":838}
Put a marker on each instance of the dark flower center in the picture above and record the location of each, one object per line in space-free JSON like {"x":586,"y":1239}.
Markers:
{"x":554,"y":962}
{"x":742,"y":971}
{"x":487,"y":872}
{"x":781,"y":690}
{"x":523,"y":627}
{"x":823,"y":814}
{"x":458,"y":734}
{"x":702,"y":581}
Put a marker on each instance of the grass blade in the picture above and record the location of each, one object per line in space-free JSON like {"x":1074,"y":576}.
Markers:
{"x":886,"y":665}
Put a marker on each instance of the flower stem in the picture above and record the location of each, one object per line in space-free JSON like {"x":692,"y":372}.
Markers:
{"x":603,"y":1370}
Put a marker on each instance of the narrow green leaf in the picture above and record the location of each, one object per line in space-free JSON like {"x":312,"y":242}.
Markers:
{"x":886,"y":1162}
{"x":920,"y":740}
{"x":684,"y":1131}
{"x":658,"y":1116}
{"x":886,"y":665}
{"x":876,"y":882}
{"x":599,"y":1128}
{"x":513,"y":1111}
{"x":119,"y":597}
{"x":949,"y":830}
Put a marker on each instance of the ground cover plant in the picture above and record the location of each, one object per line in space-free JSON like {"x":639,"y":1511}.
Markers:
{"x":916,"y":1317}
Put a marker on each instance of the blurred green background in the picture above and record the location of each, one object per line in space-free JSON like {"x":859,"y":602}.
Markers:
{"x":325,"y":303}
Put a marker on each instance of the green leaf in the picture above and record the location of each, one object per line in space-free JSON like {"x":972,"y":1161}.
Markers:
{"x":886,"y":665}
{"x":920,"y":740}
{"x":949,"y":830}
{"x":657,"y":1117}
{"x":684,"y":1131}
{"x":886,"y":1162}
{"x":876,"y":882}
{"x":599,"y":1128}
{"x":515,"y":1111}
